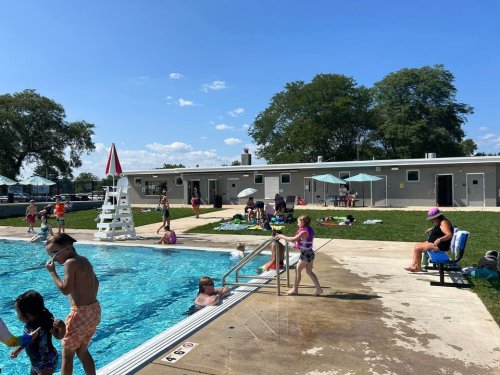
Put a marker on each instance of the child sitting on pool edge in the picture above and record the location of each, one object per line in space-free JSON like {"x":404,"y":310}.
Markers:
{"x":208,"y":295}
{"x":169,"y":238}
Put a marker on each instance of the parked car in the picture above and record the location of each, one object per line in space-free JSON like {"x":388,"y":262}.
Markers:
{"x":21,"y":197}
{"x":4,"y":199}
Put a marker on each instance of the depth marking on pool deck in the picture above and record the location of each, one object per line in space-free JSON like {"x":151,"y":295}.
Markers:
{"x":180,"y":352}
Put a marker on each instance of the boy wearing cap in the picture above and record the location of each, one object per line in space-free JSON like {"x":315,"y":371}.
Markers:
{"x":439,"y":239}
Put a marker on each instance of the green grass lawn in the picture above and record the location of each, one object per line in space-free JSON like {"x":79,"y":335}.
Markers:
{"x":86,"y":219}
{"x":408,"y":226}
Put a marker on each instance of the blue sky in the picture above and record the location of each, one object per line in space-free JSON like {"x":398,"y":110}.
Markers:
{"x":180,"y":81}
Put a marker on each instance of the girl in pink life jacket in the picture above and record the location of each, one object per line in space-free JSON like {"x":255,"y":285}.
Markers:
{"x":303,"y":242}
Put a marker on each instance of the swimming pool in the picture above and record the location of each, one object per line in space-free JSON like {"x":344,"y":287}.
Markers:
{"x":143,"y":291}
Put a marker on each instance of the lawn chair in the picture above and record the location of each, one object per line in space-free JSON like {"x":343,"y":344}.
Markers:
{"x":320,"y":200}
{"x":446,"y":262}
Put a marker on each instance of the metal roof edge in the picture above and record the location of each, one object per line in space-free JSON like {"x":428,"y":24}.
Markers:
{"x":337,"y":165}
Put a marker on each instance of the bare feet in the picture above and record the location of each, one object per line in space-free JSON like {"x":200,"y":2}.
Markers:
{"x":319,"y":292}
{"x":410,"y":269}
{"x":292,"y":292}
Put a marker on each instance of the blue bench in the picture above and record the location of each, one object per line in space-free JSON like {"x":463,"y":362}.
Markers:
{"x":445,"y":262}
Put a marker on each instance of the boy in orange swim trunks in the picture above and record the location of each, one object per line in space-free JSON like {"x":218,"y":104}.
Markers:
{"x":81,"y":283}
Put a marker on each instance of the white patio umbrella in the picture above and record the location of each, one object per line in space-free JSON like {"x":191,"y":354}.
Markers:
{"x":7,"y":181}
{"x":363,"y":177}
{"x":330,"y":178}
{"x":37,"y":181}
{"x":246,"y":192}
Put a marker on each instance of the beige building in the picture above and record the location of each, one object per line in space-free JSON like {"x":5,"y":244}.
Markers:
{"x":462,"y":181}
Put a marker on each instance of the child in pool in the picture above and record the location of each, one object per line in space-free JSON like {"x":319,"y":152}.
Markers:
{"x":239,"y":252}
{"x":41,"y":352}
{"x":208,"y":295}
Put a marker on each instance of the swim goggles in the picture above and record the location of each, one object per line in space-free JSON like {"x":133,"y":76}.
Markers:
{"x":53,"y":255}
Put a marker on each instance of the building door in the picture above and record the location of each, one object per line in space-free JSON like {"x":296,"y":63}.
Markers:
{"x":233,"y":189}
{"x":444,"y":190}
{"x":212,"y":191}
{"x":190,"y":186}
{"x":475,"y":189}
{"x":379,"y":192}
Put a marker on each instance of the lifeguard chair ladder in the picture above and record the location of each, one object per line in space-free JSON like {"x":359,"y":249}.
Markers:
{"x":116,"y":218}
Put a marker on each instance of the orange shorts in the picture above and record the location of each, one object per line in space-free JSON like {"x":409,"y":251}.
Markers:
{"x":81,"y":324}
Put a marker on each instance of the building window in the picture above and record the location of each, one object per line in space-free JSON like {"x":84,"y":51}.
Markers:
{"x":155,"y":187}
{"x":412,"y":176}
{"x":137,"y":181}
{"x":258,"y":179}
{"x":178,"y":181}
{"x":286,"y":178}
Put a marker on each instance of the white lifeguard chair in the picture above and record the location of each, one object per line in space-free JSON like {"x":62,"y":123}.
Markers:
{"x":116,"y":218}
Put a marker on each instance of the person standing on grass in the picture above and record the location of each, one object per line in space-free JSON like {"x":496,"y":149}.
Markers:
{"x":165,"y":211}
{"x":303,"y":242}
{"x":81,"y":284}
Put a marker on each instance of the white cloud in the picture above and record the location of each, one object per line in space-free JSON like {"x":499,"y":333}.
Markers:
{"x":488,"y":137}
{"x":236,"y":112}
{"x":245,"y":126}
{"x":185,"y":102}
{"x":175,"y":76}
{"x":483,"y":128}
{"x":214,"y":85}
{"x":223,"y":127}
{"x":232,"y":141}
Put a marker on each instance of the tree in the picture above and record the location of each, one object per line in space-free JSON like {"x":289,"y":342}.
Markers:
{"x":235,"y":163}
{"x":33,"y":130}
{"x":418,"y":113}
{"x":171,"y":166}
{"x":329,"y":117}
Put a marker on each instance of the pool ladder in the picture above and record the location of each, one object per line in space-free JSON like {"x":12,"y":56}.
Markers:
{"x":260,"y":281}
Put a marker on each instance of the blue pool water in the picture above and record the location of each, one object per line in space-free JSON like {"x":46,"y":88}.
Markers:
{"x":142,"y":292}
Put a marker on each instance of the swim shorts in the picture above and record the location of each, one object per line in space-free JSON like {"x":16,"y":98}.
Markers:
{"x":30,"y":218}
{"x":81,"y":324}
{"x":165,"y":212}
{"x":307,"y":255}
{"x":60,"y":220}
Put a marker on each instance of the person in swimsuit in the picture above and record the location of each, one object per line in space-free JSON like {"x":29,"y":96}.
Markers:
{"x":43,"y":355}
{"x":165,"y":211}
{"x":208,"y":295}
{"x":303,"y":242}
{"x":439,"y":239}
{"x":169,"y":238}
{"x":10,"y":340}
{"x":81,"y":284}
{"x":30,"y":216}
{"x":41,"y":235}
{"x":196,"y":201}
{"x":59,"y":212}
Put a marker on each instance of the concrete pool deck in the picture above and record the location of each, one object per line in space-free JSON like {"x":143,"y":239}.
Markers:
{"x":373,"y":318}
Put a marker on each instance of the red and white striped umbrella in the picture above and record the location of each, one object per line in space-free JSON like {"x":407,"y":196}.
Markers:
{"x":113,"y":166}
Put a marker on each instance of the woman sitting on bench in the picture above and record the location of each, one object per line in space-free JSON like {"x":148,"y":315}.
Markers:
{"x":439,"y":239}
